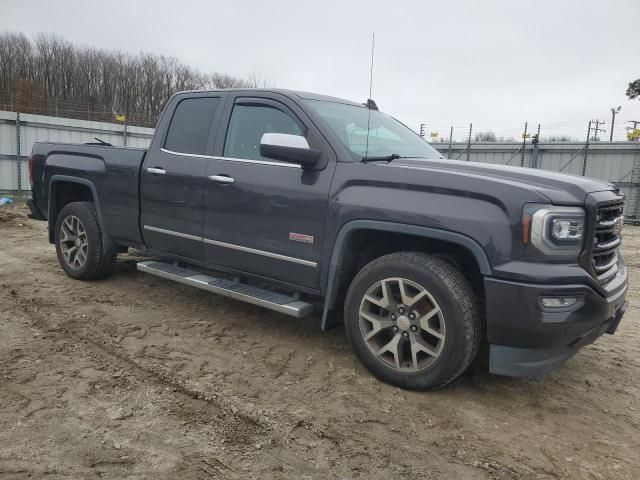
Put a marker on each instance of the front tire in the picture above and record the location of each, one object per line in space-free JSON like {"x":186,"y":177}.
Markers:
{"x":412,"y":319}
{"x":79,"y":243}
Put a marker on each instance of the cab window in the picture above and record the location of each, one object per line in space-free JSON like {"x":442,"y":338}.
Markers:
{"x":190,"y":125}
{"x":247,"y":125}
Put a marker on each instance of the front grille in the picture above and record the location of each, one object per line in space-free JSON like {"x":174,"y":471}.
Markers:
{"x":606,"y":240}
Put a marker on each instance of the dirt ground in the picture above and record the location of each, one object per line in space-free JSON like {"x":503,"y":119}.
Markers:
{"x":138,"y":377}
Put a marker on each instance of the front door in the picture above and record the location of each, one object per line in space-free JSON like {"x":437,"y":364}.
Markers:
{"x":173,"y":177}
{"x":263,"y":216}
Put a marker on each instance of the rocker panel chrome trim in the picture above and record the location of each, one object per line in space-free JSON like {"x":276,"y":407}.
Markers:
{"x":278,"y":256}
{"x":171,"y":232}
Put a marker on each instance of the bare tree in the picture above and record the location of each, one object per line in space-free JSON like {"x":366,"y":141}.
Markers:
{"x":53,"y":76}
{"x":487,"y":136}
{"x":558,"y":138}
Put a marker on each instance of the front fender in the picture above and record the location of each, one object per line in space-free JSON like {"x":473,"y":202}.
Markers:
{"x":330,"y":318}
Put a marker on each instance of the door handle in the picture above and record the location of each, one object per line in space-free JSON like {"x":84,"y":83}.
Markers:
{"x":225,"y":179}
{"x":156,"y":170}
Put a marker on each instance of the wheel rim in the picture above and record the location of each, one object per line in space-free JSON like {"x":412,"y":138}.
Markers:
{"x":402,"y":325}
{"x":74,"y":244}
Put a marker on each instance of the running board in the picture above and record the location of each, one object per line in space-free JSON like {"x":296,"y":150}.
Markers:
{"x":229,"y":288}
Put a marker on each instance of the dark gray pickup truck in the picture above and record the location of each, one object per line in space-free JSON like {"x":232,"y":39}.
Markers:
{"x":287,"y":199}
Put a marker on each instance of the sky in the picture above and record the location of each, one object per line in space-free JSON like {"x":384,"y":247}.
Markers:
{"x":495,"y":63}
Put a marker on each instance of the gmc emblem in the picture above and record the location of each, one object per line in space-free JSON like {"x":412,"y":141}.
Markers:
{"x":618,"y":225}
{"x":300,"y":237}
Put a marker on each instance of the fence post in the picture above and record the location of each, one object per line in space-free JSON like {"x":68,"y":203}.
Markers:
{"x":18,"y":159}
{"x":124,"y":134}
{"x":534,"y":161}
{"x":634,"y":190}
{"x":534,"y":156}
{"x":469,"y":142}
{"x":524,"y":144}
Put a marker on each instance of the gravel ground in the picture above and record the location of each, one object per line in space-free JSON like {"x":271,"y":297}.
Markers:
{"x":138,"y":377}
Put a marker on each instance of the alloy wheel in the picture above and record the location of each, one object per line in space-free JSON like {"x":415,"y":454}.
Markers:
{"x":402,"y":325}
{"x":74,"y":243}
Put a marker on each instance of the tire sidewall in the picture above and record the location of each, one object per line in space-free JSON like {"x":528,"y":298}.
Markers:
{"x":93,"y":239}
{"x":454,"y":349}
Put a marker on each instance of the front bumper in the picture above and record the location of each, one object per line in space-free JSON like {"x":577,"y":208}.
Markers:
{"x":527,"y":339}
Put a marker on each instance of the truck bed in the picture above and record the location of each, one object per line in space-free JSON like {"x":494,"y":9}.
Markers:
{"x":111,"y":173}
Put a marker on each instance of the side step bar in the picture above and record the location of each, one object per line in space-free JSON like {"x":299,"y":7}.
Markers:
{"x":247,"y":293}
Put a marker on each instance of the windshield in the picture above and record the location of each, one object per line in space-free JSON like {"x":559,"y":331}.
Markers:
{"x":387,"y":136}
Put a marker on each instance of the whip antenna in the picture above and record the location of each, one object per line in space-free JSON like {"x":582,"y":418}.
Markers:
{"x":370,"y":101}
{"x":373,"y":44}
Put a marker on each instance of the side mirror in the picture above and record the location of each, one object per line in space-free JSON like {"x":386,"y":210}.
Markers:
{"x":289,"y":148}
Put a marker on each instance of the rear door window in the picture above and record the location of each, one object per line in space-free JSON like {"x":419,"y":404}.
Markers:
{"x":190,"y":125}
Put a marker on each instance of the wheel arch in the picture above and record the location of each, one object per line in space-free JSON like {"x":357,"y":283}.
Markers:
{"x":64,"y":189}
{"x":348,"y":235}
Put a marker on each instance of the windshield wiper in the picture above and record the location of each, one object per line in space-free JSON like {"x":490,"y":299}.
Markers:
{"x":385,"y":158}
{"x":102,"y":142}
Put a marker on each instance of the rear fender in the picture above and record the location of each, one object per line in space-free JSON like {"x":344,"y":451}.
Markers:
{"x":53,"y":209}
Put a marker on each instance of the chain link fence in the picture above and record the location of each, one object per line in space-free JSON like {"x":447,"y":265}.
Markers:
{"x":19,"y":131}
{"x":616,"y":162}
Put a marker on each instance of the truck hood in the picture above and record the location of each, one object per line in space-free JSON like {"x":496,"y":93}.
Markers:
{"x":559,"y":188}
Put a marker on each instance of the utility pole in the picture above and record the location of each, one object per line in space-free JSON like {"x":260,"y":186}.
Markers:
{"x":524,"y":144}
{"x":614,"y":112}
{"x":586,"y":150}
{"x":597,"y":128}
{"x":450,"y":140}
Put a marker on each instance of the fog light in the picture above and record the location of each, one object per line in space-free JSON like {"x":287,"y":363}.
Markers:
{"x":559,"y":302}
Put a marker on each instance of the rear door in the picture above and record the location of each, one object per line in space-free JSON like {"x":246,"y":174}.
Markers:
{"x":267,"y":218}
{"x":173,"y":175}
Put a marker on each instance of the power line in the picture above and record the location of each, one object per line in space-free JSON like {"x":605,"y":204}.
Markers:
{"x":595,"y":126}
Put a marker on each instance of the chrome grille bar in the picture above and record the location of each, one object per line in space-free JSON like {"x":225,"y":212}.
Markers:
{"x":606,"y":240}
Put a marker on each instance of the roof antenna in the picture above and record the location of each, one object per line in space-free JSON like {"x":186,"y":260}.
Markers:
{"x":370,"y":103}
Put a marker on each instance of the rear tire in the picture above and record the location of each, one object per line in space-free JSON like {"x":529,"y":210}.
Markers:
{"x":413,"y":320}
{"x":79,"y":243}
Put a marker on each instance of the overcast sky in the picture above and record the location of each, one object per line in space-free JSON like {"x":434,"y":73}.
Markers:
{"x":493,"y":63}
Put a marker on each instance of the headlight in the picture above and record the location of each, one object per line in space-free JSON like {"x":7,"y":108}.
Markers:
{"x":564,"y":229}
{"x":553,"y":231}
